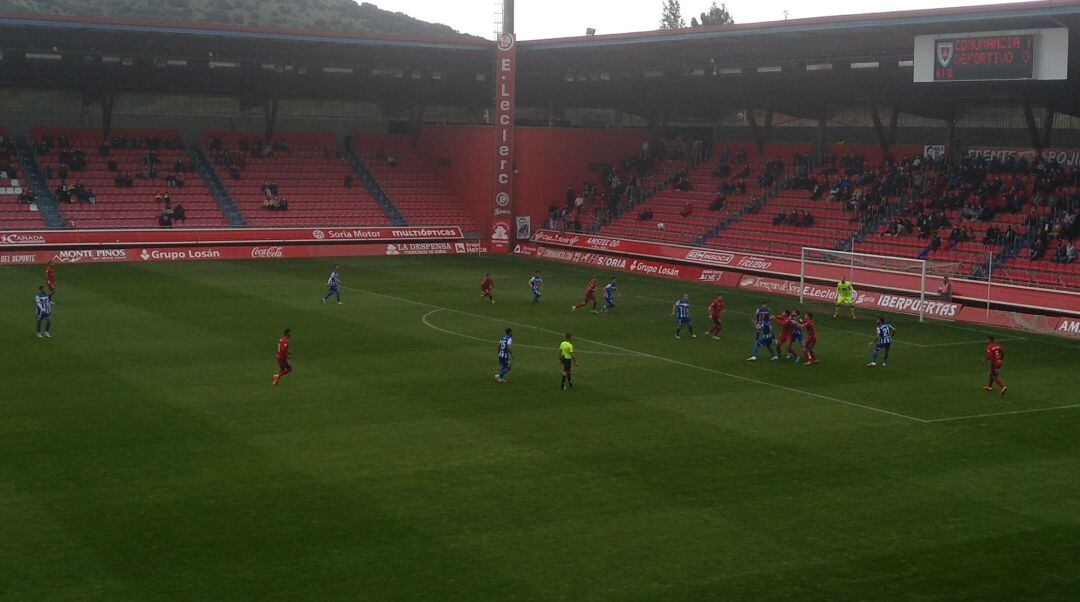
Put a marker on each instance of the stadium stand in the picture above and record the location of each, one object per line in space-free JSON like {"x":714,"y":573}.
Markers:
{"x":299,"y":180}
{"x":1014,"y":214}
{"x":17,"y":208}
{"x":411,"y":181}
{"x":757,"y":230}
{"x":687,"y":195}
{"x":122,"y":183}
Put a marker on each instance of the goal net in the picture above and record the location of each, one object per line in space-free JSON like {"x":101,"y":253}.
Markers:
{"x":919,"y":278}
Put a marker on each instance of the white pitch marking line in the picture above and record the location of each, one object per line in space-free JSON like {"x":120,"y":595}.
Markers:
{"x":661,"y":358}
{"x":973,"y":416}
{"x":427,"y":323}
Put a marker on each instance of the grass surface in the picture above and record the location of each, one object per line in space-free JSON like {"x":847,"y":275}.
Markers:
{"x":145,"y":454}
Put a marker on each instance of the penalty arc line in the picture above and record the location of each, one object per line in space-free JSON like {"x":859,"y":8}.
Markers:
{"x":428,"y":323}
{"x":663,"y":359}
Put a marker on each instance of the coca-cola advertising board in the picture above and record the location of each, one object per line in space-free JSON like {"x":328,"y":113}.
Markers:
{"x":215,"y":236}
{"x":235,"y":252}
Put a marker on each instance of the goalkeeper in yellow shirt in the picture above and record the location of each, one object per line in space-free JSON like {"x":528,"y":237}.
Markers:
{"x":845,"y":295}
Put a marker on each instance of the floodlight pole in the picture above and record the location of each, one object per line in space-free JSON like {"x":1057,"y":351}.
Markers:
{"x":508,"y":16}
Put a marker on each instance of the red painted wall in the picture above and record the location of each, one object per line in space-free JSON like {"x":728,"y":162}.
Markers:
{"x":470,"y":174}
{"x":548,"y":160}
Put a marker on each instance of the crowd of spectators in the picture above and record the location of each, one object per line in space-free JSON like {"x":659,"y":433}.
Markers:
{"x":170,"y":213}
{"x":615,"y":187}
{"x":234,"y":161}
{"x":272,"y":200}
{"x":8,"y":169}
{"x":796,"y":217}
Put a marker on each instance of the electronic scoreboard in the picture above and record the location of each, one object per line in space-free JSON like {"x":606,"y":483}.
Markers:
{"x":1032,"y":54}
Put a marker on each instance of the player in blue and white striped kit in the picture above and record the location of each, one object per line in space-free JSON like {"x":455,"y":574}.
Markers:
{"x":765,"y":336}
{"x":43,"y":309}
{"x":536,"y":283}
{"x":611,"y":290}
{"x":882,"y":342}
{"x":333,"y":285}
{"x":506,"y":355}
{"x":681,"y":310}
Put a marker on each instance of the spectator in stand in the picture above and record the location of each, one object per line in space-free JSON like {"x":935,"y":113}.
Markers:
{"x":807,"y":219}
{"x":956,"y":234}
{"x":945,"y":290}
{"x":1071,"y":252}
{"x":164,"y":220}
{"x":687,"y":209}
{"x":719,"y":203}
{"x":90,"y":196}
{"x":348,"y":181}
{"x":645,"y":215}
{"x":780,"y":219}
{"x":1037,"y":250}
{"x":391,"y":160}
{"x":1060,"y":252}
{"x":1008,"y":237}
{"x":179,"y":213}
{"x":935,"y":244}
{"x":570,"y":196}
{"x":992,"y":236}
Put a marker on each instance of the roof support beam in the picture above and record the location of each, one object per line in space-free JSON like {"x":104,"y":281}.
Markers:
{"x":270,"y":109}
{"x":821,"y":140}
{"x":1048,"y":127}
{"x":760,"y":134}
{"x":108,"y":100}
{"x":879,"y":131}
{"x":416,"y":115}
{"x":894,"y":125}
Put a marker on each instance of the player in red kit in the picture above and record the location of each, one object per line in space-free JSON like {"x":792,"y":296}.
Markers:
{"x":810,"y":339}
{"x":787,"y":333}
{"x":590,"y":296}
{"x":487,"y":289}
{"x":283,"y":355}
{"x":996,"y":356}
{"x":716,"y":314}
{"x":50,"y":277}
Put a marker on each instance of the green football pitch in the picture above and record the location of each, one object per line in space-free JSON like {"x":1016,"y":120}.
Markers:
{"x":147,"y":456}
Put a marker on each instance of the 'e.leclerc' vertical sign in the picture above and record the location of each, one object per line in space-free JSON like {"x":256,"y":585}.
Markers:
{"x":503,"y":191}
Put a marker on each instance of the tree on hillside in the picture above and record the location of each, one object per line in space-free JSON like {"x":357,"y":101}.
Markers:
{"x":671,"y":15}
{"x":717,"y":15}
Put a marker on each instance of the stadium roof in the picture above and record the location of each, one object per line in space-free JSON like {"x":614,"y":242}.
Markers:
{"x":701,"y":72}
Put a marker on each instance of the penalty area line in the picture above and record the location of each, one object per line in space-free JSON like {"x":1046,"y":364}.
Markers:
{"x":988,"y":415}
{"x":660,"y":358}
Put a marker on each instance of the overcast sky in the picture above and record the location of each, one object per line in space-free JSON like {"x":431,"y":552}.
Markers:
{"x":538,"y":19}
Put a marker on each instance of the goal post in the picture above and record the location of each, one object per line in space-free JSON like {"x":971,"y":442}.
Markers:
{"x":900,"y":275}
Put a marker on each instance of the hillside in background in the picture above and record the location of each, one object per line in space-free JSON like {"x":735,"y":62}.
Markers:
{"x":325,"y":15}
